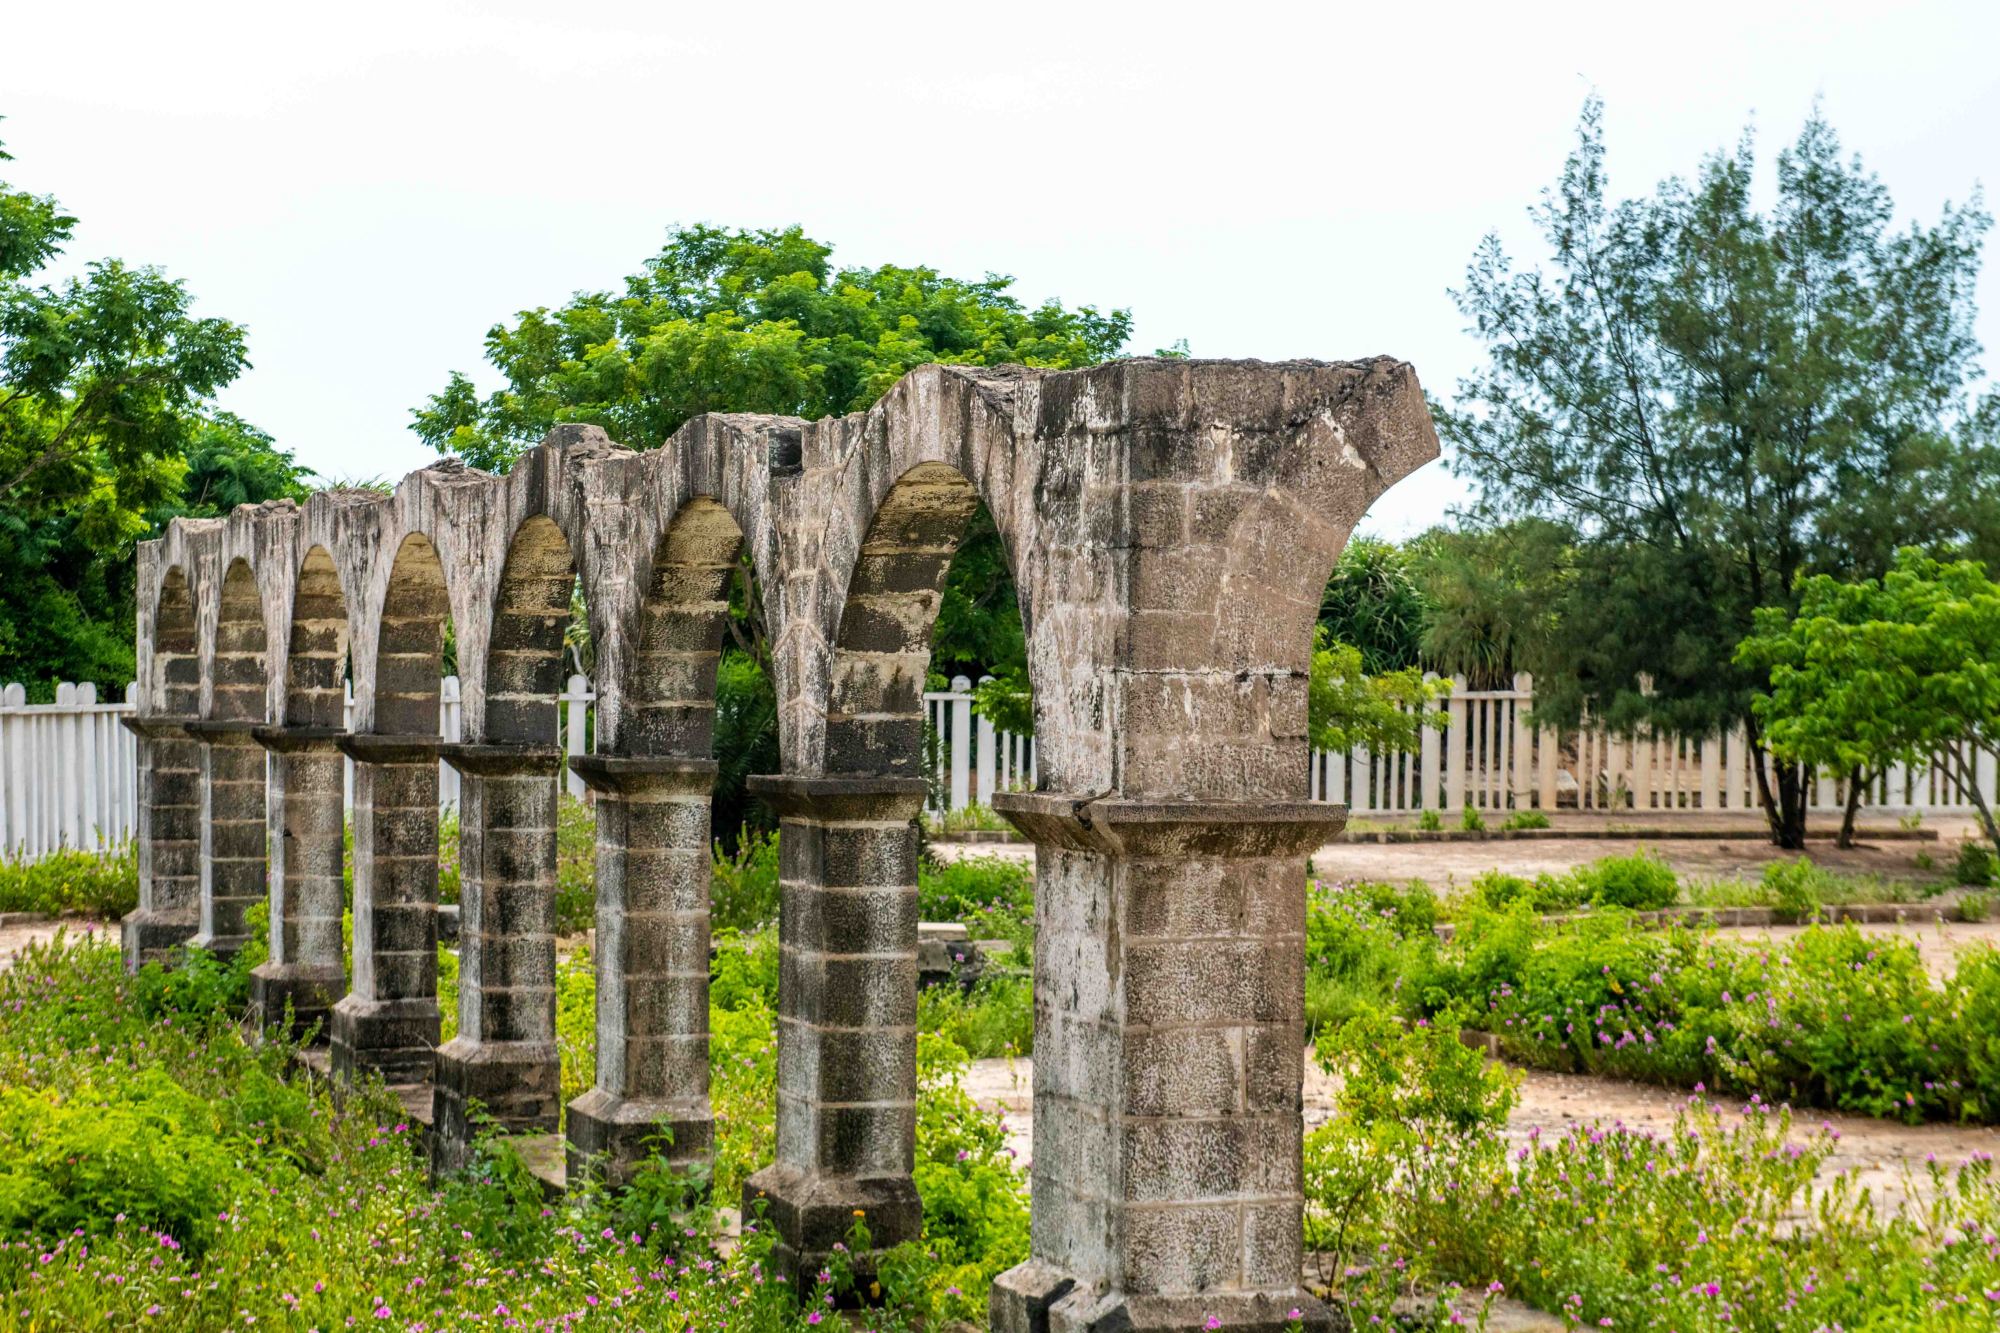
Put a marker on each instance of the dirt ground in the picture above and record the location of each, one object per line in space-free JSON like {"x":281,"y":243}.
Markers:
{"x":1444,"y":864}
{"x":13,"y":939}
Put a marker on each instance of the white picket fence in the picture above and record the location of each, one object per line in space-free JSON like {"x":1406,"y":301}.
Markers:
{"x":67,"y":769}
{"x":971,"y":760}
{"x":1489,"y":756}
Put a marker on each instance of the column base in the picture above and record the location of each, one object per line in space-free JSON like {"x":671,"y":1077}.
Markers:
{"x":224,"y":947}
{"x":1036,"y":1298}
{"x":394,"y":1038}
{"x":610,"y":1135}
{"x":811,"y":1215}
{"x":311,"y":993}
{"x":517,"y":1087}
{"x":155,"y":937}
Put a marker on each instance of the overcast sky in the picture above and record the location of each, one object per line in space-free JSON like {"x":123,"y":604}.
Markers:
{"x":370,"y":186}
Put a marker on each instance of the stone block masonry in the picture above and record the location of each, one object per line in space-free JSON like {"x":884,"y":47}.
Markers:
{"x":1170,"y":526}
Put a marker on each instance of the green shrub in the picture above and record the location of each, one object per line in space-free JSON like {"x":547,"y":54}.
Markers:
{"x":1471,"y":821}
{"x":995,"y":1018}
{"x":1795,"y":888}
{"x":743,"y":892}
{"x":576,"y":865}
{"x":1975,"y":865}
{"x":744,"y":972}
{"x":1544,"y":893}
{"x":993,"y":895}
{"x":1526,"y":819}
{"x":141,"y":1146}
{"x":104,"y":885}
{"x":1429,"y":822}
{"x":1640,"y":882}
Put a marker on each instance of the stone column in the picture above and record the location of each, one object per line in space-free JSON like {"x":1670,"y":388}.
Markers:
{"x":847,"y":1011}
{"x":235,"y":832}
{"x":653,"y":868}
{"x":1169,"y":1039}
{"x":305,"y":970}
{"x":387,"y":1022}
{"x":504,"y":1056}
{"x":169,"y":800}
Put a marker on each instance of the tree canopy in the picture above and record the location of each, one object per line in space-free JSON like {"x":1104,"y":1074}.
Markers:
{"x":1904,"y":669}
{"x":1716,"y":399}
{"x":727,"y":320}
{"x":107,"y":430}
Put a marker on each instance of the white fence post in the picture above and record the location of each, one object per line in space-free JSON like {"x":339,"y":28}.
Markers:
{"x":66,"y":771}
{"x":451,"y":723}
{"x":961,"y":743}
{"x":985,"y":755}
{"x":577,"y":697}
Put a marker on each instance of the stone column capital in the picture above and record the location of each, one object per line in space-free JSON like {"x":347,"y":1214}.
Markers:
{"x":841,"y":799}
{"x":156,"y":726}
{"x":631,"y":774}
{"x":374,"y":747}
{"x":221,"y":731}
{"x":282,"y":739}
{"x":486,"y":760}
{"x":1117,"y":826}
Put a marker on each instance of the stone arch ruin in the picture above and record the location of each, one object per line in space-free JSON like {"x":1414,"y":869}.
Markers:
{"x":1170,"y":525}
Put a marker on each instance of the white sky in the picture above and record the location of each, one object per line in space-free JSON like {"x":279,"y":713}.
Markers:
{"x":370,"y":186}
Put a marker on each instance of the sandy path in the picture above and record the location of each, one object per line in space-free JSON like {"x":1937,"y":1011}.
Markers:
{"x":15,"y":938}
{"x":1443,"y":864}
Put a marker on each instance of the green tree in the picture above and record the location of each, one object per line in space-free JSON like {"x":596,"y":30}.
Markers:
{"x":1716,"y":400}
{"x":106,"y":430}
{"x":1493,"y":597}
{"x":1375,"y":603}
{"x":1348,"y":706}
{"x":1898,"y":670}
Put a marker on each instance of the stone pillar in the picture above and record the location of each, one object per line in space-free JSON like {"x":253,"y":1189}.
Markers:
{"x":1169,"y":1040}
{"x":504,"y":1056}
{"x":653,"y":864}
{"x":387,"y":1023}
{"x":169,"y":800}
{"x":305,"y":970}
{"x":235,"y":832}
{"x":847,"y":1011}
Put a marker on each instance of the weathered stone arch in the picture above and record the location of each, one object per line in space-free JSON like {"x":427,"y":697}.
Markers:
{"x":1169,"y":525}
{"x":242,"y":648}
{"x":524,"y":655}
{"x":315,"y":684}
{"x":409,"y":640}
{"x":305,"y":971}
{"x":175,"y":687}
{"x":679,"y":636}
{"x":169,"y":777}
{"x":882,"y":646}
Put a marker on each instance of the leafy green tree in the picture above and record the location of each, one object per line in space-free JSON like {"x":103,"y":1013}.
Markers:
{"x":1874,"y":672}
{"x":106,"y":430}
{"x":1717,"y":399}
{"x":1347,"y":706}
{"x":722,"y":320}
{"x":1493,"y":597}
{"x":1375,"y":603}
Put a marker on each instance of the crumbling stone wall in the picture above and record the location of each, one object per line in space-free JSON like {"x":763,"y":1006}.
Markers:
{"x":1170,"y":525}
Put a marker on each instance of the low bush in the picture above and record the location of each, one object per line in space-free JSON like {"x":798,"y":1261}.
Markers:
{"x":743,"y":884}
{"x":1471,"y":821}
{"x":70,"y":882}
{"x":1727,"y":1221}
{"x":1976,"y":864}
{"x":1544,"y":893}
{"x":993,"y":895}
{"x":995,"y":1018}
{"x":1526,"y":819}
{"x":1429,"y":821}
{"x":1832,"y":1018}
{"x":1795,"y":888}
{"x":1640,"y":882}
